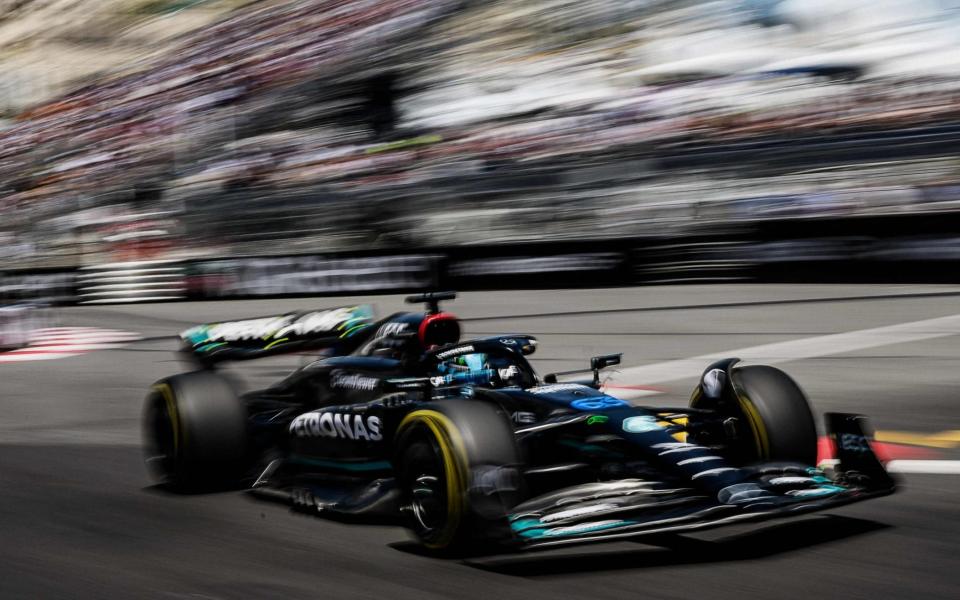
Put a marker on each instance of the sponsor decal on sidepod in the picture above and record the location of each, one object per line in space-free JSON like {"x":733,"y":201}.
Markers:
{"x":337,"y":425}
{"x":353,"y":382}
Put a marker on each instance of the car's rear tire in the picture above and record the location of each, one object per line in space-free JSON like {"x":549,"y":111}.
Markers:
{"x":458,"y":471}
{"x":195,"y":431}
{"x":775,"y":422}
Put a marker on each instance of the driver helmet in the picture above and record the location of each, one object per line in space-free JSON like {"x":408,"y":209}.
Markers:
{"x":476,"y":361}
{"x":501,"y":371}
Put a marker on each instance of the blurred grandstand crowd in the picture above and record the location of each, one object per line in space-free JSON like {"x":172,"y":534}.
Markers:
{"x":315,"y":125}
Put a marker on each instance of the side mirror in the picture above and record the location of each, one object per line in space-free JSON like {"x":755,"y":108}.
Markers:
{"x":602,"y":362}
{"x":596,"y":363}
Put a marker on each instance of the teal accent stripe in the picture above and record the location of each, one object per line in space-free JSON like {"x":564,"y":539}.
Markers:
{"x":533,"y":528}
{"x":370,"y":465}
{"x":591,"y":449}
{"x":523,"y":524}
{"x":354,"y":329}
{"x":350,"y":322}
{"x":211,"y":346}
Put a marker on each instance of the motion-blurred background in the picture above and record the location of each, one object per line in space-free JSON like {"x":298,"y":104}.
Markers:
{"x":226,"y":149}
{"x":165,"y":148}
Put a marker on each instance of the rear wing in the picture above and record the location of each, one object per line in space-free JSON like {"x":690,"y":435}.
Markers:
{"x":337,"y":329}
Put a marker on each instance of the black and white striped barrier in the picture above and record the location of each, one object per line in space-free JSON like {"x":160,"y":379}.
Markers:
{"x":139,"y":281}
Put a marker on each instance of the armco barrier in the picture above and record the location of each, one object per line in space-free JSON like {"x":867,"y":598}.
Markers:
{"x":537,"y":266}
{"x":880,"y":249}
{"x":309,"y":275}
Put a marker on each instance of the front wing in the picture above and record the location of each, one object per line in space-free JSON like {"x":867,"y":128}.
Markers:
{"x":631,"y":508}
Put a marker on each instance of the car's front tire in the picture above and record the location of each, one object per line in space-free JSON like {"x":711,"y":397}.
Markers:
{"x":458,"y":471}
{"x":774,"y":418}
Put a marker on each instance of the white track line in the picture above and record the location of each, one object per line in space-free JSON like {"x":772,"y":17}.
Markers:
{"x":780,"y":352}
{"x":14,"y":357}
{"x":72,"y":347}
{"x":812,"y":347}
{"x":63,"y":342}
{"x":929,"y":467}
{"x":916,"y":467}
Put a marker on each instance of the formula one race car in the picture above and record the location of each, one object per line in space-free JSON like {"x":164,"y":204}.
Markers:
{"x":465,"y":444}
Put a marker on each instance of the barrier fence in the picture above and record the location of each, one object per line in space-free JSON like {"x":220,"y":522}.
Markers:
{"x":871,"y":251}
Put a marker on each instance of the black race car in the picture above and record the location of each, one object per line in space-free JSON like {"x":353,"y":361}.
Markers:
{"x":465,"y":444}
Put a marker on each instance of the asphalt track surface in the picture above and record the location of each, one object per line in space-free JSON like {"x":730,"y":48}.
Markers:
{"x":79,"y":517}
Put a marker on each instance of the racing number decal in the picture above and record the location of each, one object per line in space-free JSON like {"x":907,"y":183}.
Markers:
{"x":598,"y":403}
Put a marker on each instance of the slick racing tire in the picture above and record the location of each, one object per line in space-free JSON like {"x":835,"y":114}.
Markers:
{"x":458,"y":473}
{"x":195,"y":431}
{"x":775,"y":422}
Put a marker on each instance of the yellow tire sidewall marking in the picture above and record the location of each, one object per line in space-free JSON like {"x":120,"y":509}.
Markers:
{"x":695,"y":396}
{"x":756,"y":425}
{"x":166,"y":391}
{"x":455,"y":467}
{"x":754,"y":420}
